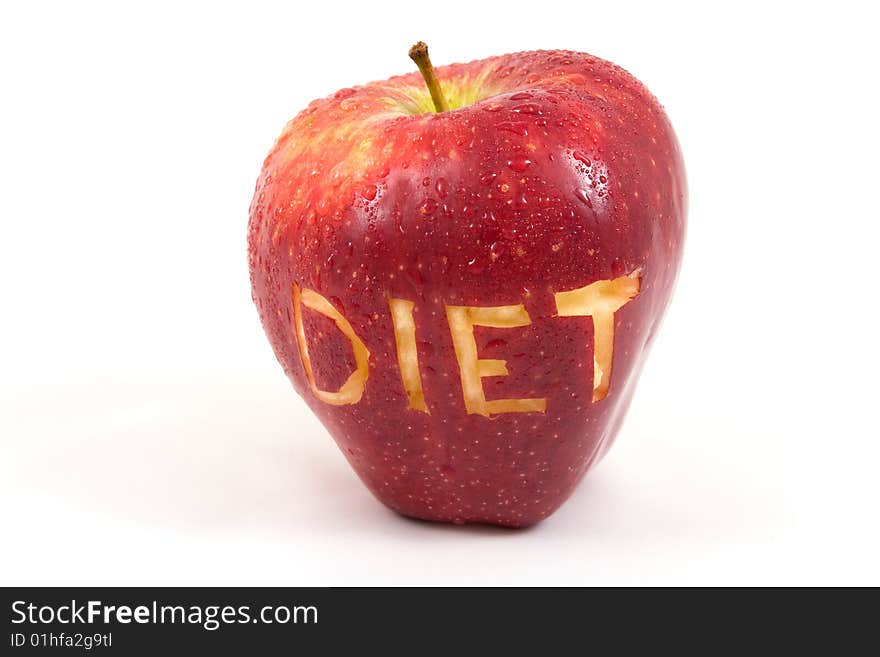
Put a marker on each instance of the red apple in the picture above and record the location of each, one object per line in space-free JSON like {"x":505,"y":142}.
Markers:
{"x":464,"y":294}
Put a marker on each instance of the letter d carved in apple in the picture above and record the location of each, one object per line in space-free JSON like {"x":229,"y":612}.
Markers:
{"x":462,"y":271}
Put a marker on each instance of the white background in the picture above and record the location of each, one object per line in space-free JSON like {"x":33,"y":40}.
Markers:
{"x":149,"y":436}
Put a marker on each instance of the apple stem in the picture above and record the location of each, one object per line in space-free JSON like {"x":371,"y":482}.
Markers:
{"x":419,"y":54}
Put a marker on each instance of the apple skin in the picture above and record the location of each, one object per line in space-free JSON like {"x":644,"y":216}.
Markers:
{"x":563,"y":170}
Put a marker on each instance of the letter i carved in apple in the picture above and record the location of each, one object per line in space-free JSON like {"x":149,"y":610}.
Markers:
{"x":461,"y":271}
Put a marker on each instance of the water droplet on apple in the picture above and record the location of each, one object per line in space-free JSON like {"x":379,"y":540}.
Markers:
{"x":477,"y":265}
{"x":519,"y":164}
{"x":526,"y":108}
{"x":581,"y":195}
{"x":580,"y":157}
{"x":440,"y":186}
{"x":497,"y":343}
{"x":428,"y":206}
{"x":516,"y":128}
{"x":488,"y":177}
{"x":522,"y":95}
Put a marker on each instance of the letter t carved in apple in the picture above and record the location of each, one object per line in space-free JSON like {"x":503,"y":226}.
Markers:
{"x":461,"y":271}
